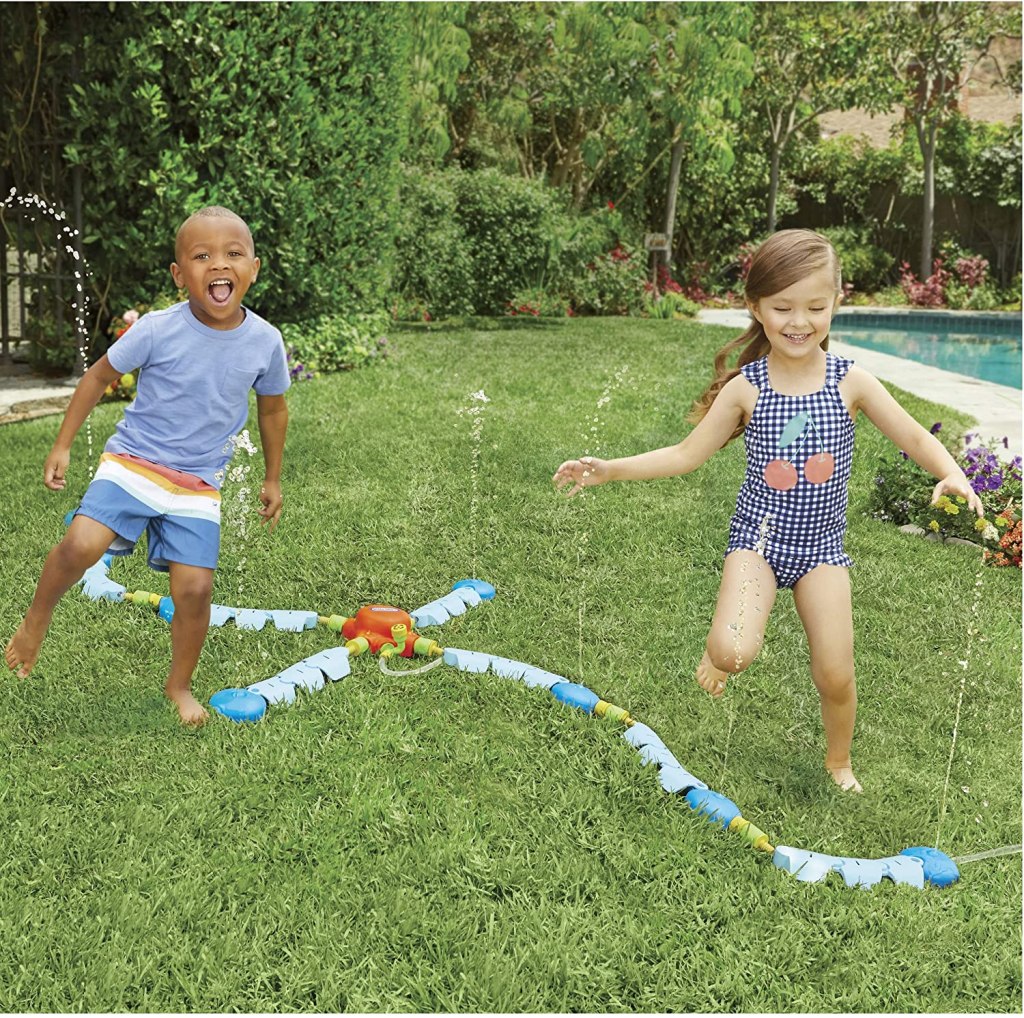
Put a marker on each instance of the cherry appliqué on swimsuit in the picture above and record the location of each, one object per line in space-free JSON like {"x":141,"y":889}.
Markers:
{"x":781,"y":474}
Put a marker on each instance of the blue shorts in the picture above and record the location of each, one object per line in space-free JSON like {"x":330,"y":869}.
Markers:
{"x":180,"y":512}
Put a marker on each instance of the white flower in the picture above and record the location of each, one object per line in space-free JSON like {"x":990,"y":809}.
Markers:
{"x":480,"y":396}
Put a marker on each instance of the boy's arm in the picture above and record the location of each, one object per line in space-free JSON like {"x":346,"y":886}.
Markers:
{"x":87,"y":394}
{"x":272,"y":413}
{"x":902,"y":430}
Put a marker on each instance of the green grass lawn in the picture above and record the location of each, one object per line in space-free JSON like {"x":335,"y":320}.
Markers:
{"x":458,"y":842}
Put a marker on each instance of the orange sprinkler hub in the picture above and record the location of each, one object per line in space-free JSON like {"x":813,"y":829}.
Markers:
{"x":373,"y":623}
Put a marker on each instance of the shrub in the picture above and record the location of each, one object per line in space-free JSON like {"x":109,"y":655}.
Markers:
{"x":614,"y":284}
{"x":469,"y":242}
{"x":539,"y":303}
{"x":289,"y":114}
{"x":865,"y":265}
{"x":671,"y":305}
{"x":335,"y":342}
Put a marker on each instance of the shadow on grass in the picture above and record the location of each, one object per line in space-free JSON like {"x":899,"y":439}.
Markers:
{"x":483,"y":324}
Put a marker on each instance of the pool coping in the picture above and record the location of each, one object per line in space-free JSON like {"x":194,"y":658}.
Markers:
{"x":995,"y":408}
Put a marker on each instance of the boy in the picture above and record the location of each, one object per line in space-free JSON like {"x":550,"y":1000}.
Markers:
{"x":162,"y":468}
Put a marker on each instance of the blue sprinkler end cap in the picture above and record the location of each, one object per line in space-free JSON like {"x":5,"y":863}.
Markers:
{"x":69,"y":516}
{"x":107,"y":560}
{"x":482,"y":587}
{"x":713,"y":805}
{"x":239,"y":704}
{"x":166,"y":609}
{"x":939,"y":869}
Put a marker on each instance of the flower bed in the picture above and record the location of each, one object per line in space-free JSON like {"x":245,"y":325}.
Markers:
{"x":902,"y":495}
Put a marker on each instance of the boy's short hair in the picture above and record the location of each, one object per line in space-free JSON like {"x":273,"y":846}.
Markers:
{"x":216,"y":212}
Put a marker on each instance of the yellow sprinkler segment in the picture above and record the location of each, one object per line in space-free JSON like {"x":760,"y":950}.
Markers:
{"x":604,"y":709}
{"x":752,"y":835}
{"x":142,"y":597}
{"x":333,"y":622}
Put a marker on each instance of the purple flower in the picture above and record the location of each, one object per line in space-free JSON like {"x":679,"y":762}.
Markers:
{"x":879,"y":480}
{"x":904,"y":455}
{"x":1006,"y":442}
{"x":937,"y":426}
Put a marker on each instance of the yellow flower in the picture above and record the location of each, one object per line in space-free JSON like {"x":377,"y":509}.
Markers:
{"x":961,"y":500}
{"x":934,"y":525}
{"x":951,"y":509}
{"x":981,"y":524}
{"x":1002,"y":521}
{"x":942,"y":502}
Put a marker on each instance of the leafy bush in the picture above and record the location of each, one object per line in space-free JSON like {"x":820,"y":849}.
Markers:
{"x":865,"y":265}
{"x":671,"y":305}
{"x":614,"y":284}
{"x":468,"y":242}
{"x":335,"y":342}
{"x":537,"y":302}
{"x":289,"y":114}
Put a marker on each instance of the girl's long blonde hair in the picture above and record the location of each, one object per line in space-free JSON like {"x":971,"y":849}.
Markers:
{"x":783,"y":259}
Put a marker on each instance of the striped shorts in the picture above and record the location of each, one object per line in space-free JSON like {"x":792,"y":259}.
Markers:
{"x":180,"y":512}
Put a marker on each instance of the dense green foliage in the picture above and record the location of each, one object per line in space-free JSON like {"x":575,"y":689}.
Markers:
{"x":455,"y":842}
{"x":338,"y":342}
{"x":293,"y":115}
{"x":468,"y":242}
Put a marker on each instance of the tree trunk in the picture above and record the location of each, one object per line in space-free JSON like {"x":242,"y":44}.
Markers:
{"x":773,"y":185}
{"x":926,"y":139}
{"x":665,"y":257}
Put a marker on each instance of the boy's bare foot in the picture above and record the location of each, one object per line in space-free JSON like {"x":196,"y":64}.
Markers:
{"x":844,"y":778}
{"x":23,"y":649}
{"x":191,"y":711}
{"x":710,"y":678}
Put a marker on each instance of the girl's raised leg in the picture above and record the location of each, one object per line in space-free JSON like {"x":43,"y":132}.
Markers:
{"x":822,"y":599}
{"x":745,"y":600}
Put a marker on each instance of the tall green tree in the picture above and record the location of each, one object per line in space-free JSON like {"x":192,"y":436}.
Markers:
{"x":699,"y":68}
{"x":557,"y":89}
{"x":439,"y":53}
{"x":926,"y":49}
{"x":808,"y":58}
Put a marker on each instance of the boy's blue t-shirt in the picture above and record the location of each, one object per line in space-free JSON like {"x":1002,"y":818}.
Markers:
{"x":193,"y":388}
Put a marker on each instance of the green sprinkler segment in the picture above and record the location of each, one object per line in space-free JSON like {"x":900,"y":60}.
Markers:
{"x":389,"y":633}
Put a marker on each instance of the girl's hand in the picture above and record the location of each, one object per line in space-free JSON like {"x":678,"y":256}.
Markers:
{"x":957,"y":484}
{"x":582,"y":473}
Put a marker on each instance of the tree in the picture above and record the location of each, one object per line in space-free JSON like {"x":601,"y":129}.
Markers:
{"x":701,"y":65}
{"x":440,"y":52}
{"x":555,"y":89}
{"x":808,"y":58}
{"x":926,"y":48}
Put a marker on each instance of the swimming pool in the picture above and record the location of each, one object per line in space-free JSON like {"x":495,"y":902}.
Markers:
{"x":986,"y":346}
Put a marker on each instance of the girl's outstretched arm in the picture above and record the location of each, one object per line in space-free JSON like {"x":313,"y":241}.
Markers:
{"x":732,"y":405}
{"x":922,"y":447}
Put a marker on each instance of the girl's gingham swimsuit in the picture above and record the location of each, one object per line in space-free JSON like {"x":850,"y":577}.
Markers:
{"x":803,"y":527}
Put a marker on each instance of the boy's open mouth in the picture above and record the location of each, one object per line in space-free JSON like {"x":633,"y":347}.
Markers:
{"x":220,"y":290}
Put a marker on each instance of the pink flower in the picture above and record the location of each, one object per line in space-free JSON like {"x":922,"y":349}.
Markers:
{"x":131,"y":316}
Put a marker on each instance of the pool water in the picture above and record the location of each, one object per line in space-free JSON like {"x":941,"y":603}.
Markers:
{"x":981,"y":346}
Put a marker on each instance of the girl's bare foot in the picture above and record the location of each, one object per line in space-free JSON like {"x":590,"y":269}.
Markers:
{"x":710,"y":678}
{"x":844,"y":778}
{"x":190,"y":710}
{"x":23,"y":649}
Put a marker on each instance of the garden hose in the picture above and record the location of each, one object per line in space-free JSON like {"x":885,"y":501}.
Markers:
{"x":382,"y":660}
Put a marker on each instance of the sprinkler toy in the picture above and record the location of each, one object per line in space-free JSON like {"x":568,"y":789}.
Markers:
{"x":389,"y":632}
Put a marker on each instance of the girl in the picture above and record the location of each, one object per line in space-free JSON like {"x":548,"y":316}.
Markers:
{"x":795,"y":405}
